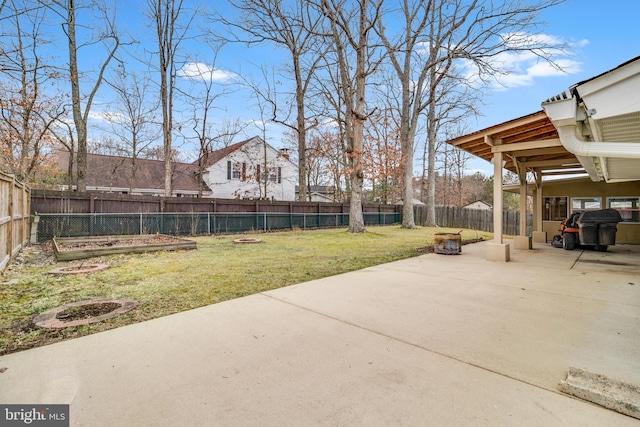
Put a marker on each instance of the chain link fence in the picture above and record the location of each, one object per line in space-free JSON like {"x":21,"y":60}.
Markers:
{"x":192,"y":224}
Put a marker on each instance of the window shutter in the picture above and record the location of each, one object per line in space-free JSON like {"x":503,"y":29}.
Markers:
{"x":279,"y":175}
{"x":258,"y":173}
{"x":228,"y":169}
{"x":244,"y":171}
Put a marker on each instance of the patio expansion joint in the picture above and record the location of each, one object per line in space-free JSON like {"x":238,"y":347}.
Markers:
{"x":577,"y":259}
{"x":409,"y":343}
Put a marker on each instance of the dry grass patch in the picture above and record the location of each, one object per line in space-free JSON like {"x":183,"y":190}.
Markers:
{"x":169,"y":282}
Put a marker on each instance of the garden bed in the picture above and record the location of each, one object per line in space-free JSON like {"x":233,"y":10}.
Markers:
{"x":67,"y":249}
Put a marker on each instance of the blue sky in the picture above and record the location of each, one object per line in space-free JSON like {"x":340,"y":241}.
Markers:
{"x":602,"y":35}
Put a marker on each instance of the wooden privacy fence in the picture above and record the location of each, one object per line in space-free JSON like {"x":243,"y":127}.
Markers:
{"x":69,"y":214}
{"x":50,"y":202}
{"x":94,"y":213}
{"x":474,"y":219}
{"x":14,"y":217}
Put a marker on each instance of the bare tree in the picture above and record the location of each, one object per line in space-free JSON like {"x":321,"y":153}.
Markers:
{"x":436,"y":33}
{"x":291,"y":25}
{"x":204,"y":91}
{"x":325,"y":160}
{"x":171,"y":23}
{"x":29,"y":112}
{"x":81,"y":101}
{"x":65,"y":136}
{"x":332,"y":132}
{"x":383,"y":157}
{"x":350,"y":26}
{"x":132,"y":119}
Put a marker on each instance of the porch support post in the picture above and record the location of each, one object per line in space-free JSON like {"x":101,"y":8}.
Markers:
{"x":522,"y":241}
{"x":539,"y":235}
{"x":497,"y":250}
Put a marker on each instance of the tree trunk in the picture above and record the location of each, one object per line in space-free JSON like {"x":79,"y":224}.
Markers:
{"x":80,"y":124}
{"x":431,"y":167}
{"x":302,"y":132}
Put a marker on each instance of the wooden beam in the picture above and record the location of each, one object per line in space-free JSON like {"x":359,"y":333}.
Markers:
{"x":540,"y":152}
{"x":539,"y":119}
{"x":529,"y":145}
{"x":523,"y":121}
{"x":466,"y":139}
{"x":489,"y":141}
{"x":571,"y":172}
{"x":544,"y":163}
{"x":565,"y":166}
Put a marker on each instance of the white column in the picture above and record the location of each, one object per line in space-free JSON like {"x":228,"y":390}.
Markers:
{"x":523,"y":207}
{"x":497,"y":250}
{"x":522,"y":241}
{"x":539,"y":236}
{"x":498,"y":204}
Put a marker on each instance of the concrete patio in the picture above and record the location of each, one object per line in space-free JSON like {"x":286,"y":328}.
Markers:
{"x":433,"y":340}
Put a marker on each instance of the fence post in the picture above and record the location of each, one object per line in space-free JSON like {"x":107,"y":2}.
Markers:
{"x":12,"y":186}
{"x":264,"y":225}
{"x":140,"y":222}
{"x":208,"y":222}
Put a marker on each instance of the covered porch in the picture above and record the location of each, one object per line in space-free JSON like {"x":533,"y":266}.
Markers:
{"x":591,"y":130}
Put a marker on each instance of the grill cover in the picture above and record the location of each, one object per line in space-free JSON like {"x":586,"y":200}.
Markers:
{"x":602,"y":216}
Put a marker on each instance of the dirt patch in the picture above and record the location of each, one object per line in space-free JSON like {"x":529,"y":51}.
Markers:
{"x":83,"y":313}
{"x":247,"y":240}
{"x":79,"y":269}
{"x":86,"y":311}
{"x":115,"y":243}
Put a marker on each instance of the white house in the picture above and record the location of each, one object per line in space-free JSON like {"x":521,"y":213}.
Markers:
{"x":250,"y":169}
{"x":247,"y":169}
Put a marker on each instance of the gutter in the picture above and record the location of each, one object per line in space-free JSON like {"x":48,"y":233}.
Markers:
{"x":570,"y":140}
{"x":563,"y":112}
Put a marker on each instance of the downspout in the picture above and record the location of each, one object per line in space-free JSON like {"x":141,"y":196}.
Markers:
{"x":591,"y":154}
{"x":570,"y":140}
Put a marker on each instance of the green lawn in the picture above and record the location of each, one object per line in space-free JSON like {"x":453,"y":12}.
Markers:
{"x":219,"y":270}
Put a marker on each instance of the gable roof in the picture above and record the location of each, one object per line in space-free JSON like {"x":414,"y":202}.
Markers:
{"x":115,"y":171}
{"x":215,"y":156}
{"x":482,"y":202}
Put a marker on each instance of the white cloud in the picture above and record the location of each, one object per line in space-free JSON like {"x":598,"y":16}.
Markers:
{"x":201,"y":71}
{"x":526,"y":67}
{"x":488,"y":171}
{"x":101,"y":116}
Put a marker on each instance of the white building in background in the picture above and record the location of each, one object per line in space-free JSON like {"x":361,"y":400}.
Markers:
{"x":250,"y":169}
{"x":478,"y":205}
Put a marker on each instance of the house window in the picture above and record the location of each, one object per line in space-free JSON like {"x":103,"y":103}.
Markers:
{"x":581,"y":204}
{"x":236,"y":170}
{"x":555,"y":209}
{"x":629,"y":207}
{"x":272,"y":174}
